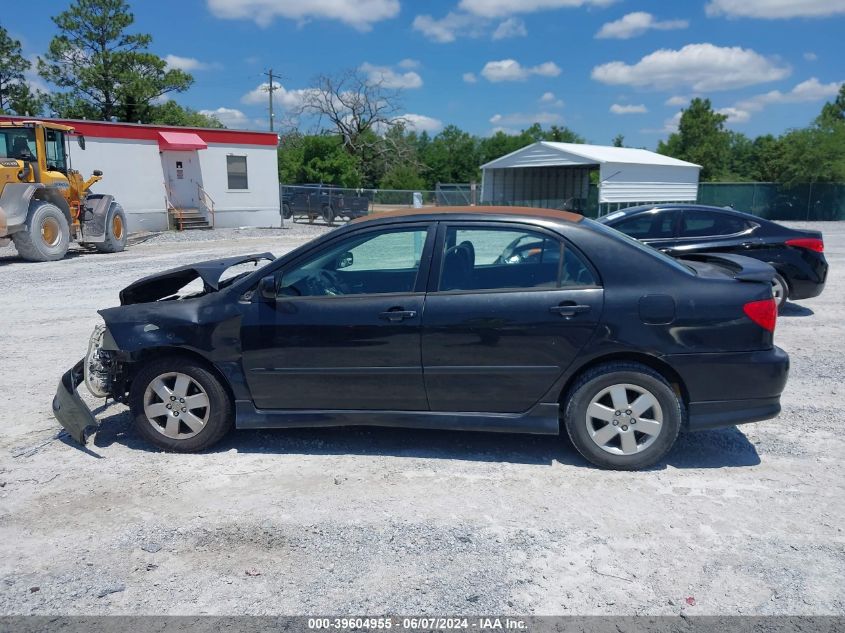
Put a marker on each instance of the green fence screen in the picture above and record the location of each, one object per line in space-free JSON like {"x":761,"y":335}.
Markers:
{"x":815,"y":201}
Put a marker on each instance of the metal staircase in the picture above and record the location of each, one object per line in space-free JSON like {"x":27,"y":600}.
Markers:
{"x":189,"y":218}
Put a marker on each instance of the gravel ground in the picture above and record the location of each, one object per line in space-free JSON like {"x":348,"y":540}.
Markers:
{"x":736,"y":521}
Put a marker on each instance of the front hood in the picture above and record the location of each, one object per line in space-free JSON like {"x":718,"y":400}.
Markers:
{"x":170,"y":281}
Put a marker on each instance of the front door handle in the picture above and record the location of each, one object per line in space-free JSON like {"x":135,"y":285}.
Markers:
{"x":395,"y":315}
{"x":569,"y":309}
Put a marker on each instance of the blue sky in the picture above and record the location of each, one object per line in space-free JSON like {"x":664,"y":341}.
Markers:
{"x":601,"y":67}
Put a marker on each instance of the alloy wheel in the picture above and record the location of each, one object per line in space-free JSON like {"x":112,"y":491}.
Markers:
{"x":176,"y":405}
{"x":624,"y":419}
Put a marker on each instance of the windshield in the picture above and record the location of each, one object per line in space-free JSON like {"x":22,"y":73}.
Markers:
{"x":603,"y":228}
{"x":18,"y":143}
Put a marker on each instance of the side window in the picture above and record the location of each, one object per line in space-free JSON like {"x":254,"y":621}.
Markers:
{"x":377,"y":262}
{"x":648,"y":225}
{"x":707,"y":223}
{"x":492,"y":258}
{"x":236,"y":172}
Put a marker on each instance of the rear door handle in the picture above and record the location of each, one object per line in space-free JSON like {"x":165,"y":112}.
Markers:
{"x":568,"y":309}
{"x":397,"y":314}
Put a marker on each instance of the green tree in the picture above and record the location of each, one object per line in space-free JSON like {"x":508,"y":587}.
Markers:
{"x":104,"y":70}
{"x":767,"y":160}
{"x":452,"y":156}
{"x":15,"y":95}
{"x":403,"y":177}
{"x":833,"y":112}
{"x":171,"y":113}
{"x":701,"y":138}
{"x":619,"y":141}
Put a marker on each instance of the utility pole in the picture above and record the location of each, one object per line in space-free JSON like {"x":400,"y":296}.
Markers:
{"x":270,"y":89}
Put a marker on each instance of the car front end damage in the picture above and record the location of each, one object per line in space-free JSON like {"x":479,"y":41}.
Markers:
{"x":153,"y":315}
{"x":103,"y":375}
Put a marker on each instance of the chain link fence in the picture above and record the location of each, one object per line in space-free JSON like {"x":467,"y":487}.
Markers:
{"x":813,"y":202}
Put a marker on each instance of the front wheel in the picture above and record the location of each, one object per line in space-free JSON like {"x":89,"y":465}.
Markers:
{"x":116,"y":232}
{"x":623,"y":416}
{"x":46,"y":236}
{"x":179,"y":405}
{"x":287,"y":212}
{"x":328,"y":214}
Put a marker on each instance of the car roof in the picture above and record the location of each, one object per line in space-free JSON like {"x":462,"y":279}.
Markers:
{"x":623,"y":213}
{"x":492,"y":211}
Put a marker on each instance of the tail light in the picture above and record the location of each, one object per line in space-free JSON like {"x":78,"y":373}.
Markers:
{"x":810,"y":243}
{"x":764,"y":313}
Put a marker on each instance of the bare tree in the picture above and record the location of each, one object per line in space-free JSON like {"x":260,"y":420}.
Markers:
{"x":362,"y":111}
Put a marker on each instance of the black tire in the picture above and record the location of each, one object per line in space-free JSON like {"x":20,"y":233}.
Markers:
{"x":596,"y":380}
{"x":287,"y":213}
{"x":220,"y":417}
{"x":780,"y":288}
{"x":328,"y":214}
{"x":116,"y":232}
{"x":46,"y":236}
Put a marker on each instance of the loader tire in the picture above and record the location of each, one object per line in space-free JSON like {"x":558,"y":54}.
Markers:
{"x":46,"y":236}
{"x":115,"y":240}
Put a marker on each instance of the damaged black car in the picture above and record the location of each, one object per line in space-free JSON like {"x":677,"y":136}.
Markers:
{"x":477,"y":319}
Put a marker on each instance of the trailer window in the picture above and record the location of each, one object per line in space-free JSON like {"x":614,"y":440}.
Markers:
{"x":236,"y":172}
{"x":56,"y":157}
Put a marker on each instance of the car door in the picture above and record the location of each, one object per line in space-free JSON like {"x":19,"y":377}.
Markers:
{"x":344,"y":329}
{"x":706,"y":230}
{"x":509,"y":307}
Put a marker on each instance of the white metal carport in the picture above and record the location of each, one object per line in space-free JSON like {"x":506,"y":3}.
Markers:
{"x":549,"y":174}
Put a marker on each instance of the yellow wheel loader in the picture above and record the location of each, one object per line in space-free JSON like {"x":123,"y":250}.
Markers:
{"x":44,"y":203}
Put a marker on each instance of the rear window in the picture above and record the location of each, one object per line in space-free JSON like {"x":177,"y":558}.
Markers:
{"x":706,"y":223}
{"x":619,"y":235}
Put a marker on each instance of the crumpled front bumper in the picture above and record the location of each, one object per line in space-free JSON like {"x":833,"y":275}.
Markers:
{"x":71,"y":412}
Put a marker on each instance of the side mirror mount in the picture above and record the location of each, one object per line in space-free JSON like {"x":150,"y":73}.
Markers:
{"x":80,"y":140}
{"x":345,"y":260}
{"x":267,"y":288}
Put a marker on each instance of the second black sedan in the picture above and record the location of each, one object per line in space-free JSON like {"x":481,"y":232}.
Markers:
{"x":683,"y":229}
{"x":486,"y":319}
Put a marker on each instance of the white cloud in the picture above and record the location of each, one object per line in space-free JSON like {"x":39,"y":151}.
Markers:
{"x":230,"y":117}
{"x":359,"y":14}
{"x":670,"y":126}
{"x":703,"y":67}
{"x":409,"y":64}
{"x":806,"y":91}
{"x":810,"y":56}
{"x":635,"y":24}
{"x":470,"y":78}
{"x":677,"y":100}
{"x":389,"y":78}
{"x":512,"y":27}
{"x":628,"y":109}
{"x":422,"y":123}
{"x":550,"y":100}
{"x":512,"y":70}
{"x":287,"y":99}
{"x":188,"y":64}
{"x":521,"y":118}
{"x":775,"y":9}
{"x":501,"y":8}
{"x":448,"y":28}
{"x":735,"y":115}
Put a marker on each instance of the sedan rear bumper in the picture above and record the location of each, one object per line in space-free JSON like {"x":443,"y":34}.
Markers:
{"x":69,"y":409}
{"x":734,"y":388}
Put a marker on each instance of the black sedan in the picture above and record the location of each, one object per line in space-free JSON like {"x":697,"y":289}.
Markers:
{"x":680,"y":229}
{"x":483,"y":319}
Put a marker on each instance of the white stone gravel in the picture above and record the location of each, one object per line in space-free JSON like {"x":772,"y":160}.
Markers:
{"x":368,"y":521}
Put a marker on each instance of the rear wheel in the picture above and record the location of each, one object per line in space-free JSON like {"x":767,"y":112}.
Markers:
{"x":46,"y":236}
{"x":623,"y":416}
{"x":328,"y":214}
{"x":179,"y":405}
{"x":287,"y":213}
{"x":780,"y":290}
{"x":116,"y":232}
